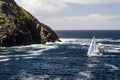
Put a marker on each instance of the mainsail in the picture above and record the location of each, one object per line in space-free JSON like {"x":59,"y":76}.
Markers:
{"x":93,"y":50}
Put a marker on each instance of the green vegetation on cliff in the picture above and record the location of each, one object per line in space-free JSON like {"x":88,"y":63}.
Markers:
{"x":19,"y":27}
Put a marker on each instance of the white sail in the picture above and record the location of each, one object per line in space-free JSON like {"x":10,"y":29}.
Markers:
{"x":93,"y":50}
{"x":91,"y":47}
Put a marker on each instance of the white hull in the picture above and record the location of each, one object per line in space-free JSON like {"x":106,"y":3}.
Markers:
{"x":95,"y":54}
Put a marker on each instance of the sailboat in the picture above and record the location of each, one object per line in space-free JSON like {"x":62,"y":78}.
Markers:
{"x":93,"y":49}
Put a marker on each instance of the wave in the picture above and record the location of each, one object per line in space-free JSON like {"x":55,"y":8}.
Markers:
{"x":26,"y":76}
{"x":34,"y":50}
{"x":85,"y":75}
{"x":25,"y":52}
{"x":87,"y":42}
{"x":73,"y":41}
{"x":112,"y":66}
{"x":2,"y":60}
{"x":110,"y":48}
{"x":84,"y":44}
{"x":91,"y":65}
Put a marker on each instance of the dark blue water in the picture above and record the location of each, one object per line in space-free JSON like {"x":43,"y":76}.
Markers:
{"x":66,"y":60}
{"x":114,"y":34}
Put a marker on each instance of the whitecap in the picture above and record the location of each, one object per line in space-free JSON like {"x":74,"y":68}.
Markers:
{"x":56,"y":79}
{"x":112,"y":66}
{"x":84,"y":75}
{"x":17,"y":58}
{"x":3,"y":60}
{"x":28,"y":57}
{"x":30,"y":51}
{"x":109,"y":55}
{"x":108,"y":39}
{"x":110,"y":48}
{"x":73,"y":41}
{"x":91,"y":65}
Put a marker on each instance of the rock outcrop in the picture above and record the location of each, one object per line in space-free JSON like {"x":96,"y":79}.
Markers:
{"x":19,"y":27}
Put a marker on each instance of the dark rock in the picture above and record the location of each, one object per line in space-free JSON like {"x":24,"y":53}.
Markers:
{"x":19,"y":27}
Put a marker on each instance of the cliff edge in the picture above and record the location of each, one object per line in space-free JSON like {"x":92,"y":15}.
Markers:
{"x":19,"y":27}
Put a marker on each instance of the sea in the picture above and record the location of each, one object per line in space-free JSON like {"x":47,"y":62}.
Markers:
{"x":66,"y":60}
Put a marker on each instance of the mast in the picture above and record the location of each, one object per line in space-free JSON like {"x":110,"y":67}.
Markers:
{"x":94,"y":43}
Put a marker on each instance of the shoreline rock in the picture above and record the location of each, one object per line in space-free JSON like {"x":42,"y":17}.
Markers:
{"x":18,"y":27}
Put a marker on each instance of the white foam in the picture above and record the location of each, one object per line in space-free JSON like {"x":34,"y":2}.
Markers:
{"x":85,"y":75}
{"x":57,"y":79}
{"x":3,"y":60}
{"x":17,"y":58}
{"x":112,"y":66}
{"x":108,"y":39}
{"x":31,"y":53}
{"x":91,"y":65}
{"x":40,"y":47}
{"x":110,"y":48}
{"x":74,"y":41}
{"x":84,"y":41}
{"x":28,"y":57}
{"x":109,"y":55}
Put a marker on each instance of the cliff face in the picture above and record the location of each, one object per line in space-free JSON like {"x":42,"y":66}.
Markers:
{"x":18,"y":27}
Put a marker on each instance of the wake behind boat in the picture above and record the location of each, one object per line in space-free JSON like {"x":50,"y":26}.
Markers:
{"x":93,"y":49}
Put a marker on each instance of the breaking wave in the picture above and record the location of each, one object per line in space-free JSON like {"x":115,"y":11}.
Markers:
{"x":25,"y":52}
{"x":66,"y":60}
{"x":113,"y":67}
{"x":34,"y":50}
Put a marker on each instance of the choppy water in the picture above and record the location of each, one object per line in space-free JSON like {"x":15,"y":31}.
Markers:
{"x":66,"y":60}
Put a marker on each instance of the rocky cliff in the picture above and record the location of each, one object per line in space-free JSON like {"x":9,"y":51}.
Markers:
{"x":19,"y":27}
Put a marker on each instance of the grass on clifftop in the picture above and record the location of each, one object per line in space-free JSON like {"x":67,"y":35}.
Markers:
{"x":13,"y":13}
{"x":27,"y":14}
